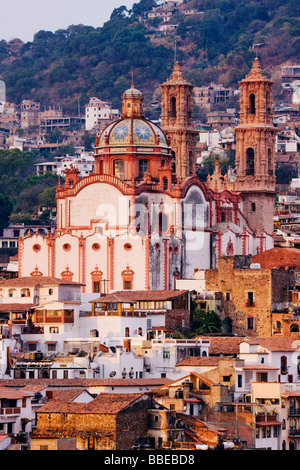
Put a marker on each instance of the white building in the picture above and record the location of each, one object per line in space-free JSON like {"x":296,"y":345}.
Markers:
{"x":16,"y":411}
{"x":99,"y":114}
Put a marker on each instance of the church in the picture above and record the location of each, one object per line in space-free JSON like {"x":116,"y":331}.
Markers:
{"x":143,"y":218}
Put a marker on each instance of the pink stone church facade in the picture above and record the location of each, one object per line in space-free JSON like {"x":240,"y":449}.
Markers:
{"x":144,"y":218}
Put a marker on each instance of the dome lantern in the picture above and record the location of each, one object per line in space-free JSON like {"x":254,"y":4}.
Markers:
{"x":132,"y":103}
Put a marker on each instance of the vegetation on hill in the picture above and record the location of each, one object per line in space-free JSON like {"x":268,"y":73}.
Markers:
{"x":70,"y":65}
{"x":22,"y":192}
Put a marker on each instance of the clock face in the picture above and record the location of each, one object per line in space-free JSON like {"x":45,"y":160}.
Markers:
{"x":143,"y":132}
{"x":120,"y":132}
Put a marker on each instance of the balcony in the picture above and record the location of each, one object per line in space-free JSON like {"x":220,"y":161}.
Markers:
{"x":293,"y":411}
{"x":294,"y":432}
{"x":10,"y":411}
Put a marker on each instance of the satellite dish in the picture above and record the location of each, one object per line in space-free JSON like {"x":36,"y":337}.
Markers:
{"x":113,"y":373}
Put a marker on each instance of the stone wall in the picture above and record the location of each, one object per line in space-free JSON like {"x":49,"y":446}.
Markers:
{"x":235,"y":284}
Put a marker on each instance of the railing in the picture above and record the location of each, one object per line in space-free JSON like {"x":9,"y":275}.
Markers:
{"x":294,"y":411}
{"x":10,"y":411}
{"x":294,"y":432}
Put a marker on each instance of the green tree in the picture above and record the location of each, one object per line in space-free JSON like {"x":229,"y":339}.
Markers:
{"x":205,"y":322}
{"x":48,"y":198}
{"x":6,"y":207}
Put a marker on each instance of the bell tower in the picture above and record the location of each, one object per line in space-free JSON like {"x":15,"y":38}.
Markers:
{"x":177,"y":121}
{"x":255,"y":150}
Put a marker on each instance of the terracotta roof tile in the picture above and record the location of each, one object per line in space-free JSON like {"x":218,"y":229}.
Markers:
{"x":84,"y":383}
{"x":67,"y":395}
{"x":12,"y":394}
{"x":224,"y":345}
{"x":16,"y":307}
{"x":105,"y":403}
{"x":200,"y":361}
{"x":275,"y":344}
{"x":28,"y":281}
{"x":143,"y":295}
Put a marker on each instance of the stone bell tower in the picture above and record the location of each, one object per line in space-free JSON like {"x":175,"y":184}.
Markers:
{"x":177,"y":121}
{"x":255,"y":150}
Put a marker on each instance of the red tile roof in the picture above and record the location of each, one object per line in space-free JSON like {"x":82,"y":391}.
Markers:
{"x":84,"y":383}
{"x":67,"y":395}
{"x":12,"y":394}
{"x":105,"y":403}
{"x":143,"y":295}
{"x":278,"y":257}
{"x":224,"y":345}
{"x":28,"y":281}
{"x":15,"y":307}
{"x":200,"y":361}
{"x":275,"y":344}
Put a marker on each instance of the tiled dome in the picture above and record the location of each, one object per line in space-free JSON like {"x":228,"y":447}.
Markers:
{"x":143,"y":133}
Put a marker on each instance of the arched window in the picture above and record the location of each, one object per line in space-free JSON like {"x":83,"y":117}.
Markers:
{"x":140,"y":331}
{"x":283,"y":365}
{"x":294,"y":328}
{"x":253,"y":207}
{"x":283,"y":445}
{"x":250,"y":161}
{"x":162,"y":223}
{"x":173,"y":107}
{"x":119,"y":168}
{"x":252,"y":103}
{"x":143,"y":167}
{"x":127,"y":332}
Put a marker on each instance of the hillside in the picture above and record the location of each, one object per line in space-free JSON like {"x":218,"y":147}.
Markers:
{"x":213,"y":45}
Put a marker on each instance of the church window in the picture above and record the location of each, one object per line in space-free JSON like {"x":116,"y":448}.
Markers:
{"x":143,"y":167}
{"x":119,"y":168}
{"x":252,"y":103}
{"x":96,"y":246}
{"x":173,"y":107}
{"x":127,"y":332}
{"x":96,"y":286}
{"x":67,"y":247}
{"x":36,"y":247}
{"x":127,"y":246}
{"x":127,"y":277}
{"x":223,"y":217}
{"x":250,"y":161}
{"x":253,"y":207}
{"x":162,"y":223}
{"x":127,"y":285}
